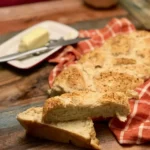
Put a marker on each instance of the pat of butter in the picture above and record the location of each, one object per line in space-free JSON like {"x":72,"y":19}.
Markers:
{"x":34,"y":39}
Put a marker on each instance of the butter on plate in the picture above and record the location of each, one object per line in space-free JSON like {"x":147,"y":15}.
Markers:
{"x":36,"y":38}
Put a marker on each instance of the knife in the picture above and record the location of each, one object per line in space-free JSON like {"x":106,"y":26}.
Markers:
{"x":47,"y":48}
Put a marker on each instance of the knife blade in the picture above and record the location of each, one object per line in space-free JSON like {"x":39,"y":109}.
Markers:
{"x":47,"y":48}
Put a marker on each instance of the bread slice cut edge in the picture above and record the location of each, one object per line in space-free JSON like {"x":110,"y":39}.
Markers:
{"x":64,"y":132}
{"x":83,"y":104}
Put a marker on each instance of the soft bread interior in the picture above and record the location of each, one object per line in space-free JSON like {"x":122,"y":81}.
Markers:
{"x":79,"y":132}
{"x":84,"y":104}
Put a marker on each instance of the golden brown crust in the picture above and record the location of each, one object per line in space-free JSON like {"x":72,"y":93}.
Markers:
{"x":126,"y":53}
{"x":75,"y":77}
{"x":96,"y":58}
{"x":141,"y":34}
{"x":114,"y":81}
{"x":72,"y":77}
{"x":137,"y":70}
{"x":123,"y":61}
{"x":119,"y":44}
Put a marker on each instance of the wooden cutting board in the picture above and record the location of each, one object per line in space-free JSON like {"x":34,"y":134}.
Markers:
{"x":65,"y":11}
{"x":21,"y":89}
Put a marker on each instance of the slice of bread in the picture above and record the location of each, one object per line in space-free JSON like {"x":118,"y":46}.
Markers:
{"x":80,"y":133}
{"x":84,"y":104}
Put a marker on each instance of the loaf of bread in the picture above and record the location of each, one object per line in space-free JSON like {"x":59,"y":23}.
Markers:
{"x":123,"y":60}
{"x":80,"y":132}
{"x":84,"y":104}
{"x":98,"y":85}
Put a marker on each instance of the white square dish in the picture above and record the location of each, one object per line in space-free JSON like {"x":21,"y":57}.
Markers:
{"x":56,"y":30}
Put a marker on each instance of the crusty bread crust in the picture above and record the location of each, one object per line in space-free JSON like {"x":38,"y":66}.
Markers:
{"x":128,"y":54}
{"x":84,"y":104}
{"x":71,"y":79}
{"x":96,"y":58}
{"x":117,"y":82}
{"x":53,"y":132}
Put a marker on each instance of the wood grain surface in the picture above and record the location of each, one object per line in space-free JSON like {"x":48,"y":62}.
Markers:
{"x":22,"y":89}
{"x":65,"y":11}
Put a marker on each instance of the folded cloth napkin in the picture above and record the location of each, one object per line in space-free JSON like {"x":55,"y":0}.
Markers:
{"x":137,"y":127}
{"x":136,"y":130}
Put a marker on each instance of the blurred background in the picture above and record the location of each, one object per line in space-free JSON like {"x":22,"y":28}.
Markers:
{"x":16,"y":15}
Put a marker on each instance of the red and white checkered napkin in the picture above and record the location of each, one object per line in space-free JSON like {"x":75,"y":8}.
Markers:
{"x":136,"y":129}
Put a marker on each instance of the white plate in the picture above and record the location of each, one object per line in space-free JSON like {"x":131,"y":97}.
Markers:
{"x":56,"y":31}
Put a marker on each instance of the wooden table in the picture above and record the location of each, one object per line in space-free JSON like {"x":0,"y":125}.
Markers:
{"x":21,"y":89}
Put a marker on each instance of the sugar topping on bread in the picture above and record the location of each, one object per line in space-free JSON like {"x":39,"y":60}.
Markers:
{"x":125,"y":55}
